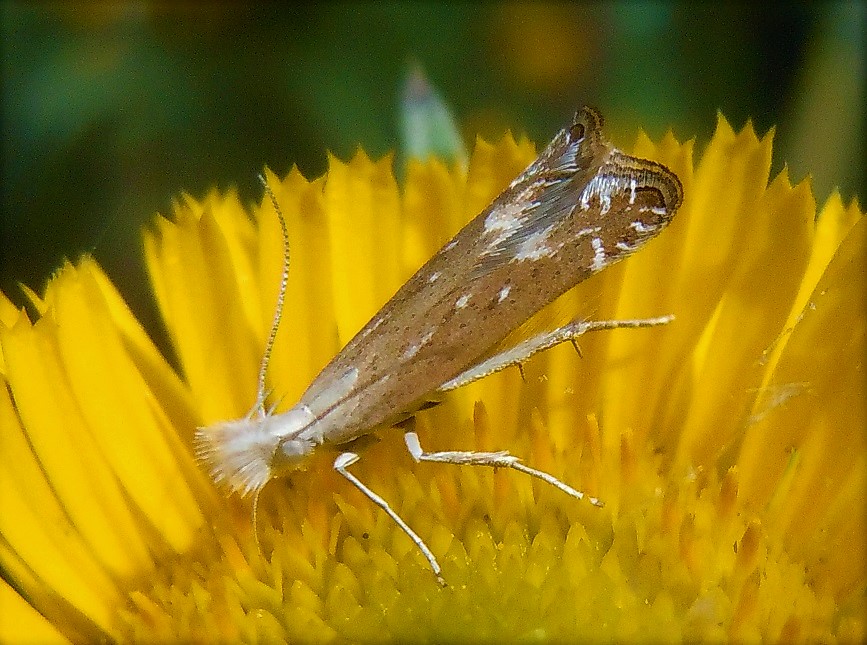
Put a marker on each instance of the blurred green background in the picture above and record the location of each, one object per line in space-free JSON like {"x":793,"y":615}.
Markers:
{"x":111,"y":109}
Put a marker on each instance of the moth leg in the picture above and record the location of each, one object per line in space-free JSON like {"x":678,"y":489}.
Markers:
{"x":500,"y":459}
{"x":347,"y":459}
{"x":521,"y":352}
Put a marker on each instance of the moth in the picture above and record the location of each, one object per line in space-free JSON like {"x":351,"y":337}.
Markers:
{"x":581,"y":206}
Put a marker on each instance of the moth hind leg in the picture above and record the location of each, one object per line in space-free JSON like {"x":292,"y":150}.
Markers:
{"x":528,"y":348}
{"x":500,"y":459}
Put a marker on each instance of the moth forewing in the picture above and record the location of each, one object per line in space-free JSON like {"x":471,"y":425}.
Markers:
{"x":581,"y":206}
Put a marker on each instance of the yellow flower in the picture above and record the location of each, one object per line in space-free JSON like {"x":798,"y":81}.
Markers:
{"x":728,"y":446}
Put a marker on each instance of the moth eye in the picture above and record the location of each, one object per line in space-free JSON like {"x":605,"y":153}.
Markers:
{"x":576,"y":132}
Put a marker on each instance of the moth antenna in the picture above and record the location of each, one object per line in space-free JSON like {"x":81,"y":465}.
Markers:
{"x":256,"y":523}
{"x":278,"y":310}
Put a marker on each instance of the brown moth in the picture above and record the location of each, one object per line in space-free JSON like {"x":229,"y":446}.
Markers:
{"x":581,"y":206}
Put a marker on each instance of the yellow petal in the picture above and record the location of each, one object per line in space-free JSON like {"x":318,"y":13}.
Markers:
{"x":813,"y":406}
{"x":362,"y":211}
{"x":22,"y":624}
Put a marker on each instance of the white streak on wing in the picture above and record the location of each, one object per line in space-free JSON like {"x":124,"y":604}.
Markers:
{"x":372,"y":327}
{"x":426,"y":338}
{"x":589,"y":231}
{"x":632,"y":186}
{"x":535,"y":246}
{"x":331,"y":394}
{"x":640,"y":227}
{"x":517,"y":180}
{"x":598,"y":254}
{"x":656,"y":210}
{"x":623,"y":246}
{"x":434,"y":277}
{"x":462,"y":301}
{"x":412,"y":348}
{"x":602,"y":186}
{"x":504,"y":293}
{"x":506,"y":218}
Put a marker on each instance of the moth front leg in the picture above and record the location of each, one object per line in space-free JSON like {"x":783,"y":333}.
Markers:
{"x":501,"y":459}
{"x":345,"y":460}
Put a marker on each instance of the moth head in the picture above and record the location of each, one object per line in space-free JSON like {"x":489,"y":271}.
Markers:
{"x":245,"y":454}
